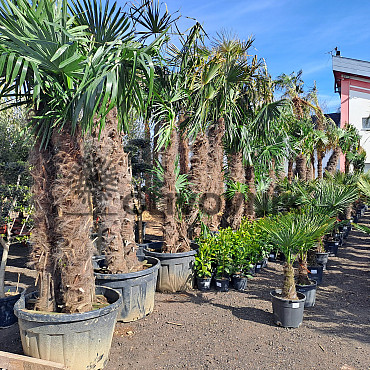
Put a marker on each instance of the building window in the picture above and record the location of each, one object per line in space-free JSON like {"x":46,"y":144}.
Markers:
{"x":366,"y":123}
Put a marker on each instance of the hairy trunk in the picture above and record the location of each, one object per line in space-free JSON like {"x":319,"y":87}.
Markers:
{"x":183,"y":150}
{"x":215,"y":203}
{"x":172,"y":242}
{"x":250,"y":182}
{"x":320,"y":156}
{"x":155,"y":156}
{"x":110,"y":182}
{"x":310,"y":171}
{"x":289,"y":291}
{"x":272,"y":176}
{"x":301,"y":167}
{"x":346,"y":165}
{"x":147,"y":154}
{"x":290,"y":173}
{"x":302,"y":270}
{"x":198,"y":179}
{"x":234,"y":209}
{"x":72,"y":251}
{"x":42,"y":237}
{"x":331,"y":166}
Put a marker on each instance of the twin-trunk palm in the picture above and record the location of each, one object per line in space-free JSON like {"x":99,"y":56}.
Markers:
{"x":73,"y":69}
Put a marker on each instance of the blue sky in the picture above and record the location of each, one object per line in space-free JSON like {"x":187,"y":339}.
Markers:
{"x":290,"y":34}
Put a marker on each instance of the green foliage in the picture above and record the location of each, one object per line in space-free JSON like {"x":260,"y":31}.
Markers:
{"x":204,"y":258}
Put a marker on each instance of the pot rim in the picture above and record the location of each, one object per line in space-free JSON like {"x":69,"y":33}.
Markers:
{"x":130,"y":275}
{"x":54,"y":318}
{"x":274,"y":293}
{"x":166,"y":256}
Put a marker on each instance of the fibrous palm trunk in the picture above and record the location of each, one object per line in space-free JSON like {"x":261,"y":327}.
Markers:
{"x":290,"y":173}
{"x":71,"y":251}
{"x":320,"y":156}
{"x":250,"y":182}
{"x":302,"y":270}
{"x":272,"y":175}
{"x":234,"y":209}
{"x":198,"y":179}
{"x":183,"y":150}
{"x":215,"y":203}
{"x":42,"y":235}
{"x":171,"y":235}
{"x":110,"y":181}
{"x":301,"y":166}
{"x":289,"y":291}
{"x":331,"y":166}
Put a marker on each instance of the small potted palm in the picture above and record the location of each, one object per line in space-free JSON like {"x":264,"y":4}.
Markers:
{"x":288,"y":233}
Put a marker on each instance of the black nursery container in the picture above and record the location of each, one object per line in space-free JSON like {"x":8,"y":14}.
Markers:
{"x":287,"y":313}
{"x":222,"y":285}
{"x":7,"y":317}
{"x":322,"y":259}
{"x":315,"y":273}
{"x":332,"y":247}
{"x":309,"y":291}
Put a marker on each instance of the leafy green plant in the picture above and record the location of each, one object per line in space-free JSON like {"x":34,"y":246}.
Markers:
{"x":223,"y":252}
{"x":204,"y":257}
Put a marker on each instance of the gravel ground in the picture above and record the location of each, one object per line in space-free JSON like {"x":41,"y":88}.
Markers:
{"x":234,"y":330}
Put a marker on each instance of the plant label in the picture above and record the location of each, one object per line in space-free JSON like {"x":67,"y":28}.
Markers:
{"x":295,"y":305}
{"x":314,"y":272}
{"x":272,"y":256}
{"x":219,"y":285}
{"x":258,"y":266}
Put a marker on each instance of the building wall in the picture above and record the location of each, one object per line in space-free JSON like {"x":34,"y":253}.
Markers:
{"x":359,"y":108}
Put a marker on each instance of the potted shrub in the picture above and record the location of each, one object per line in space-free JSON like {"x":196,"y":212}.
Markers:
{"x":288,"y":233}
{"x":203,"y":263}
{"x":225,"y":241}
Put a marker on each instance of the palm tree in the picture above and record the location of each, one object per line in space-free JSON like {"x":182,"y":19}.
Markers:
{"x":50,"y":61}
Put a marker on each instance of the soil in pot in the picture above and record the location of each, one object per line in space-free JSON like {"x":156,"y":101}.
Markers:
{"x":287,"y":313}
{"x":239,"y":282}
{"x":309,"y":291}
{"x":80,"y":341}
{"x":204,"y":284}
{"x":12,"y":295}
{"x":137,"y":289}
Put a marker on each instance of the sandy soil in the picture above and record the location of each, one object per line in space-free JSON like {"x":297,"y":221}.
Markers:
{"x":234,"y":330}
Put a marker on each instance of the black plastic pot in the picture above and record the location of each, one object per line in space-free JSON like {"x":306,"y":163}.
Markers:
{"x":264,"y":263}
{"x":258,"y":267}
{"x":287,"y":313}
{"x":204,"y":284}
{"x":309,"y":291}
{"x":222,"y":284}
{"x":332,"y":247}
{"x":137,"y":290}
{"x":322,"y":259}
{"x":316,"y":273}
{"x":239,"y":282}
{"x":148,"y":244}
{"x":7,"y":317}
{"x":272,"y":256}
{"x":79,"y":341}
{"x":176,"y":271}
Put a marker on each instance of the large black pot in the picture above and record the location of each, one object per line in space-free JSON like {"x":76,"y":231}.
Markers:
{"x":137,"y":290}
{"x":322,"y":259}
{"x":309,"y":291}
{"x":204,"y":284}
{"x":80,"y":340}
{"x":176,"y":271}
{"x":7,"y":317}
{"x":315,"y":273}
{"x":287,"y":313}
{"x":148,"y":244}
{"x":332,"y":247}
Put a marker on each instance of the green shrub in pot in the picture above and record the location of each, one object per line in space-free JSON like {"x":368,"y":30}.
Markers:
{"x":204,"y":258}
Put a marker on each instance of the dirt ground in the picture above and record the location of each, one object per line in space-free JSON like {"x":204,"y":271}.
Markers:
{"x":234,"y":330}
